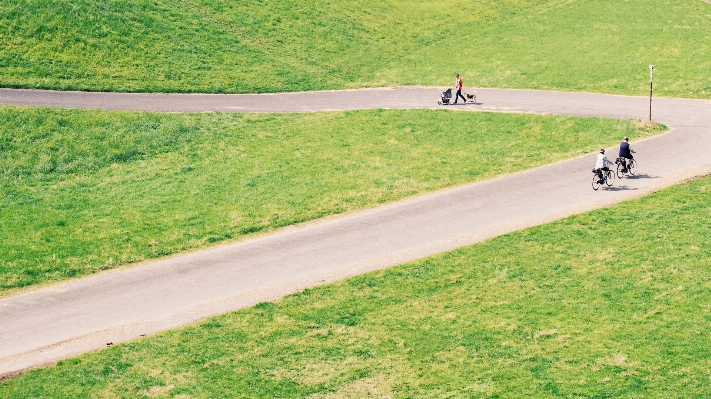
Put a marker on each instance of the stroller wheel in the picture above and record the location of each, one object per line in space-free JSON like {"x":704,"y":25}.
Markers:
{"x":439,"y":102}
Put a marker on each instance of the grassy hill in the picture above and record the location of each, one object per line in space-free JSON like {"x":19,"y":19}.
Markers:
{"x":250,"y":46}
{"x":612,"y":303}
{"x":609,"y":304}
{"x":84,"y":191}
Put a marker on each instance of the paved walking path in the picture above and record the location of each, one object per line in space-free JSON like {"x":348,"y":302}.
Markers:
{"x":82,"y":315}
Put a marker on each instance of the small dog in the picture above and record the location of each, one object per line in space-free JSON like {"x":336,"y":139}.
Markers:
{"x":471,"y":96}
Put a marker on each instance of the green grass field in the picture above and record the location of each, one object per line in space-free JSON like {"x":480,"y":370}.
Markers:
{"x":289,"y":45}
{"x":84,"y":191}
{"x":613,"y":303}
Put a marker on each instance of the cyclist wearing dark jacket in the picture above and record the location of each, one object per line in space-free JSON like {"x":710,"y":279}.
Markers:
{"x":625,"y":150}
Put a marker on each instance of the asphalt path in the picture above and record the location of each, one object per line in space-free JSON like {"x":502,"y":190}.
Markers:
{"x":62,"y":320}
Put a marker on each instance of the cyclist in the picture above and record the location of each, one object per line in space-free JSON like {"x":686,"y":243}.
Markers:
{"x":625,"y":153}
{"x":601,"y":164}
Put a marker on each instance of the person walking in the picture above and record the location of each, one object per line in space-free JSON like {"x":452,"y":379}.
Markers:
{"x":458,"y":86}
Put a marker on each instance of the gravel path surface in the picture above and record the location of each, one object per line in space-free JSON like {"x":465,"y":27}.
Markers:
{"x":66,"y":319}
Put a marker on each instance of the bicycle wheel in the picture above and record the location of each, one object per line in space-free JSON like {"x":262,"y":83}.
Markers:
{"x":609,"y":178}
{"x":595,"y":182}
{"x":620,"y":173}
{"x":632,"y":166}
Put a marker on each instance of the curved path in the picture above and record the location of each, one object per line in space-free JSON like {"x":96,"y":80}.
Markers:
{"x":66,"y":319}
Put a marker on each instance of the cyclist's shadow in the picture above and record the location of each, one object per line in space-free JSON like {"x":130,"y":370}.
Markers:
{"x":641,"y":176}
{"x":631,"y":177}
{"x":620,"y":188}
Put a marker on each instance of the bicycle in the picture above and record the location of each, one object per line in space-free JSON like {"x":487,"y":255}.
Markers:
{"x":601,"y":177}
{"x":625,"y":167}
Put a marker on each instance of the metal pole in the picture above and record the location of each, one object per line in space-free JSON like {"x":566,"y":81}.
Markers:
{"x":650,"y":101}
{"x":651,"y":69}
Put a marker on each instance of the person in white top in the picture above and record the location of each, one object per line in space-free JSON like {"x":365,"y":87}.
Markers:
{"x":602,"y":162}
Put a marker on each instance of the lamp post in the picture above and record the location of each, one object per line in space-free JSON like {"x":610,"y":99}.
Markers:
{"x":651,"y":71}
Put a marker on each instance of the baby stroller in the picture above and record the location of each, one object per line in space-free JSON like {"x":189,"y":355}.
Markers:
{"x":446,"y":97}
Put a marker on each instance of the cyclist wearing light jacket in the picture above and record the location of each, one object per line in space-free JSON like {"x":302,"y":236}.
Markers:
{"x":602,"y":162}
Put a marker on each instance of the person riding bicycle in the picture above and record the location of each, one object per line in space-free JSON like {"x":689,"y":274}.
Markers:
{"x":625,"y":152}
{"x":601,"y":163}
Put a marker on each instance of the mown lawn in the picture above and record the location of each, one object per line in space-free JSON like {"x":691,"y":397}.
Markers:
{"x":84,"y":191}
{"x":609,"y":304}
{"x":291,"y":45}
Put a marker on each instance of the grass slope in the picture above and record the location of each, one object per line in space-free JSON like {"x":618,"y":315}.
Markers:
{"x":83,"y":191}
{"x":290,"y":45}
{"x":609,"y":304}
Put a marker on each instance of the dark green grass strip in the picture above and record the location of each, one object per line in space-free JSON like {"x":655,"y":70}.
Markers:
{"x":83,"y":191}
{"x":609,"y":304}
{"x":290,"y":45}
